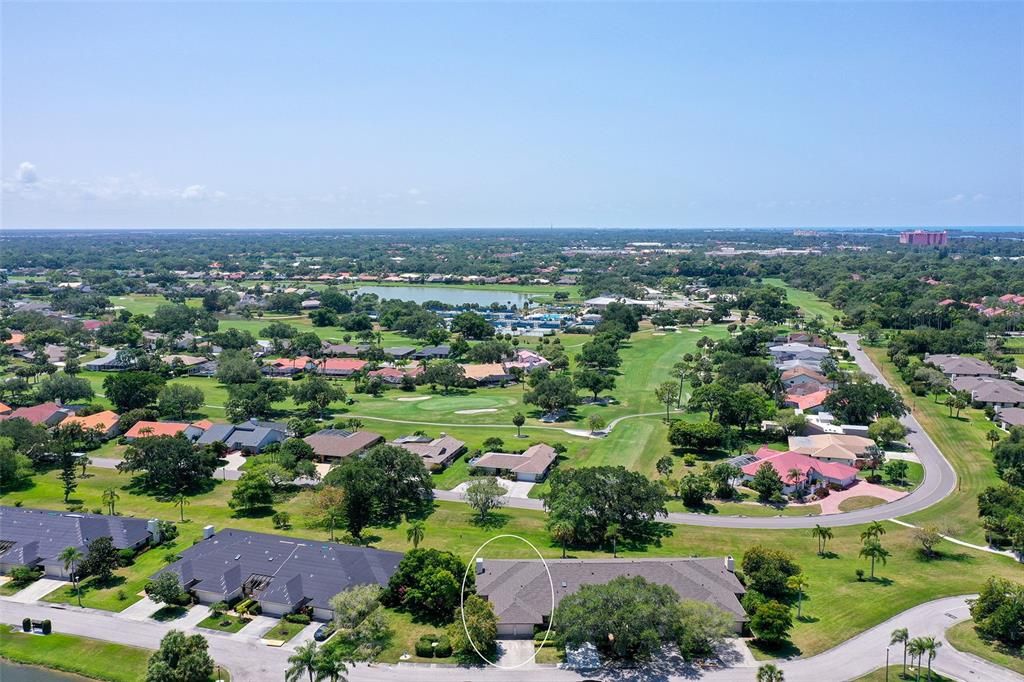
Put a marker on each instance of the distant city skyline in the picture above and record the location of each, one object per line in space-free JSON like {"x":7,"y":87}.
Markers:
{"x":688,"y":115}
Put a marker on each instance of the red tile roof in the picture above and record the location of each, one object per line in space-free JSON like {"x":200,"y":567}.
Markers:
{"x":783,"y":462}
{"x":156,"y":429}
{"x":37,"y":414}
{"x":806,"y":402}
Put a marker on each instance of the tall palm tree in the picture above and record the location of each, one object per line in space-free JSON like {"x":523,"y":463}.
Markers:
{"x":303,"y":661}
{"x":872,"y":532}
{"x":415,"y":533}
{"x":331,"y":668}
{"x":180,"y":500}
{"x":110,"y":498}
{"x":799,"y":583}
{"x":823,"y":534}
{"x":873,"y":550}
{"x":916,"y":649}
{"x":794,"y":475}
{"x":562,"y":531}
{"x":901,"y":636}
{"x":71,"y":556}
{"x":929,"y":646}
{"x":769,"y":672}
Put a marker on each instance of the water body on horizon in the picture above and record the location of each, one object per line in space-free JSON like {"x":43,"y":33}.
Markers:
{"x":12,"y":672}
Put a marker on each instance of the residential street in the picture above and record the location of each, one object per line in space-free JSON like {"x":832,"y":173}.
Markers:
{"x":247,"y":659}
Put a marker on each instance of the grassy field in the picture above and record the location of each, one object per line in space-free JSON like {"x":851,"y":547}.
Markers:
{"x":906,"y":580}
{"x":896,"y":673}
{"x":963,"y":637}
{"x":963,"y":443}
{"x":89,"y":657}
{"x":810,"y":304}
{"x":863,"y":502}
{"x":215,"y":622}
{"x":406,"y":633}
{"x":283,"y":631}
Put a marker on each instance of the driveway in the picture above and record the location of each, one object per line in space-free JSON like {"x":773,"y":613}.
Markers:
{"x":142,"y":609}
{"x":830,"y":505}
{"x":519,"y":490}
{"x":37,"y":590}
{"x":515,"y":653}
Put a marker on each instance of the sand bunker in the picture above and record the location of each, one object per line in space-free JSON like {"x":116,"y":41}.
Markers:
{"x":413,"y":400}
{"x":480,"y":411}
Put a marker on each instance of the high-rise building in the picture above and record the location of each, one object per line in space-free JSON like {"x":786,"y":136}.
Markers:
{"x":924,"y":238}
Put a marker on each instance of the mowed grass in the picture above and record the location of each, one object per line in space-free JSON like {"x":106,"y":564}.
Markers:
{"x":809,"y":303}
{"x":963,"y":637}
{"x":962,"y":442}
{"x":905,"y":581}
{"x":406,"y":632}
{"x":79,"y":655}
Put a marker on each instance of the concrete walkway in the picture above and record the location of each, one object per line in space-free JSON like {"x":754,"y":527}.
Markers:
{"x":142,"y":609}
{"x":37,"y":590}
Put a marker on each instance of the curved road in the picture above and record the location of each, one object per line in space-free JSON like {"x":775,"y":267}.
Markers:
{"x":939,"y":481}
{"x":248,"y":659}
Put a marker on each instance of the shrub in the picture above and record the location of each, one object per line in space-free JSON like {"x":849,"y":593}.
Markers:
{"x":299,"y":618}
{"x":443,"y":648}
{"x":821,"y":493}
{"x":425,"y":647}
{"x":860,"y":574}
{"x":47,"y":627}
{"x":125,"y":557}
{"x":219,"y":607}
{"x":22,"y":575}
{"x":121,"y":596}
{"x":26,"y":625}
{"x":690,"y":460}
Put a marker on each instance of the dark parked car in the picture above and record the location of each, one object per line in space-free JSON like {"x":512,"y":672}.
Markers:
{"x":323,"y":632}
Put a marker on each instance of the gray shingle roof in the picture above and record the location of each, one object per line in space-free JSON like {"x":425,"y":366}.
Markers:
{"x":520,"y":591}
{"x":47,"y":533}
{"x":298,"y":569}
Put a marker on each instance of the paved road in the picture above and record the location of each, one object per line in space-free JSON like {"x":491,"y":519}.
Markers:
{"x":247,"y":659}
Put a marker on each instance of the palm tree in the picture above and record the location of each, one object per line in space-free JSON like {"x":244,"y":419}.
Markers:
{"x":799,"y":583}
{"x":901,"y":636}
{"x":613,"y":533}
{"x":680,"y":370}
{"x":916,"y":649}
{"x":84,"y":461}
{"x":873,"y":549}
{"x":110,"y":497}
{"x":71,"y":556}
{"x":992,"y":437}
{"x":331,"y":668}
{"x":823,"y":534}
{"x":930,"y":646}
{"x":303,"y":661}
{"x":794,"y":475}
{"x":769,"y":672}
{"x":872,"y":532}
{"x":415,"y":533}
{"x":562,"y":531}
{"x":180,"y":500}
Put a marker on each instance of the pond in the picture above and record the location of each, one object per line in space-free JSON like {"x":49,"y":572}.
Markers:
{"x":450,"y":295}
{"x":11,"y":672}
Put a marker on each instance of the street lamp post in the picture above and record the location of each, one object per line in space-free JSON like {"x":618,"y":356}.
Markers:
{"x":886,"y":664}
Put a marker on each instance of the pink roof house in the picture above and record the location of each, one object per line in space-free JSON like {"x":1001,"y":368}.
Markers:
{"x":812,"y":471}
{"x":527,"y":360}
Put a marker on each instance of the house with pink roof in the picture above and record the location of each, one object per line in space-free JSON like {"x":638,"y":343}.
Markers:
{"x":812,"y":472}
{"x":810,"y":403}
{"x":527,"y":360}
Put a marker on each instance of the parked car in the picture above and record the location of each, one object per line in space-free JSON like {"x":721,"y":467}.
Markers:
{"x":324,"y":632}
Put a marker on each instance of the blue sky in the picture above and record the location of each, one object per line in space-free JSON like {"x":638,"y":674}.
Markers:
{"x":490,"y":115}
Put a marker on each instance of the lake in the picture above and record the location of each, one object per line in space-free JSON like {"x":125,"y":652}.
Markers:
{"x":449,"y":295}
{"x":10,"y":672}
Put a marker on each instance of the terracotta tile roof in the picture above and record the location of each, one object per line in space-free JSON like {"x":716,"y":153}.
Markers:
{"x":155,"y":429}
{"x":101,"y":420}
{"x":809,"y":401}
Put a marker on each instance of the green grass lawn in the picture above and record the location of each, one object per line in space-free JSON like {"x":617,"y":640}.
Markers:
{"x":405,"y":634}
{"x":896,"y":673}
{"x":123,"y":590}
{"x":963,"y":637}
{"x":963,"y":443}
{"x":283,"y":631}
{"x":861,"y":502}
{"x":224,"y":623}
{"x":740,"y":509}
{"x":810,"y":304}
{"x":89,"y":657}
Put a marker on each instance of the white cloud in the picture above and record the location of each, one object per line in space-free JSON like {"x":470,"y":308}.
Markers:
{"x":26,"y":174}
{"x":200,"y":193}
{"x":955,"y":199}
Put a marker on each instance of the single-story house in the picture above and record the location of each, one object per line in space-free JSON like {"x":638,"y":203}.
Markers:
{"x":394,"y":375}
{"x":250,"y":437}
{"x":338,"y":367}
{"x":809,"y":402}
{"x":1008,"y":417}
{"x":284,"y":574}
{"x":812,"y":471}
{"x":527,"y":360}
{"x":832,"y":447}
{"x":432,"y":353}
{"x":786,"y":365}
{"x":400,"y":352}
{"x":186,"y":361}
{"x":344,"y":349}
{"x":987,"y":391}
{"x":532,"y":465}
{"x":105,"y":422}
{"x":486,"y":373}
{"x":436,"y":453}
{"x":797,"y":351}
{"x":145,"y":429}
{"x":805,"y":338}
{"x":287,"y":367}
{"x":799,"y":376}
{"x":337,"y":444}
{"x":954,"y":366}
{"x":45,"y":414}
{"x":520,"y":590}
{"x":110,"y":363}
{"x":205,"y":369}
{"x":36,"y":537}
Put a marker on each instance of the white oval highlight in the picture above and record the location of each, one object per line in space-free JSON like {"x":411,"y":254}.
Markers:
{"x":462,"y":601}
